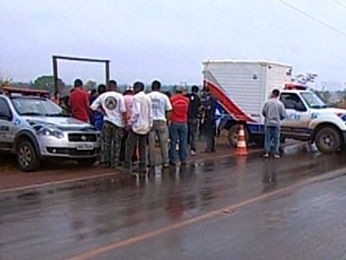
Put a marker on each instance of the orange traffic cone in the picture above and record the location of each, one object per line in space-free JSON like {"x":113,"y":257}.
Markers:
{"x":241,"y":144}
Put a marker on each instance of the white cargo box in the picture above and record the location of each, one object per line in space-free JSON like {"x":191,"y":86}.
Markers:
{"x":243,"y":86}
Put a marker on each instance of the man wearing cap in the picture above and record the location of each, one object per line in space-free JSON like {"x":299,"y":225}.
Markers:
{"x":178,"y":127}
{"x":273,"y":112}
{"x":161,"y":107}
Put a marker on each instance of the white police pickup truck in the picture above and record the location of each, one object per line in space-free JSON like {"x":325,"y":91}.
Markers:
{"x":310,"y":119}
{"x":34,"y":128}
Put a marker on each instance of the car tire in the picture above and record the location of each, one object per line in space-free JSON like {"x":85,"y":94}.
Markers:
{"x":27,"y":157}
{"x":328,"y":140}
{"x":87,"y":161}
{"x":233,"y":135}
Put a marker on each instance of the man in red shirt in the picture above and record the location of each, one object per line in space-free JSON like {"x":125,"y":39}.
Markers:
{"x":79,"y":102}
{"x":178,"y":127}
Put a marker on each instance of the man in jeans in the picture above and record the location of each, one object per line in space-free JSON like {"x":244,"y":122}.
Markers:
{"x":273,"y":112}
{"x":141,"y":122}
{"x":112,"y":105}
{"x":178,"y":127}
{"x":161,"y":107}
{"x":193,"y":114}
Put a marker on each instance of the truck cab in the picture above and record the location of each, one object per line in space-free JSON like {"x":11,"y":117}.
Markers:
{"x":310,"y":119}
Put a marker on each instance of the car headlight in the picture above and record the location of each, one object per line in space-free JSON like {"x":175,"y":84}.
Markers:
{"x":45,"y":131}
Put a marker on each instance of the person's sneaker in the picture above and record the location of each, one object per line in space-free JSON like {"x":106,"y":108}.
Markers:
{"x":277,"y":156}
{"x":172,"y":163}
{"x":165,"y":165}
{"x":192,"y":153}
{"x":266,"y":155}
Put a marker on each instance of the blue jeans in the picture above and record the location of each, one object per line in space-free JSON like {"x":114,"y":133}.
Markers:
{"x":272,"y":139}
{"x":178,"y":134}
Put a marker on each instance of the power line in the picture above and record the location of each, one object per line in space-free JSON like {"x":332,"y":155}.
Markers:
{"x":339,"y":3}
{"x":313,"y":18}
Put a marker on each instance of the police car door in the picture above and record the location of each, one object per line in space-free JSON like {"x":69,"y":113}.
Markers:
{"x":298,"y":116}
{"x":6,"y":137}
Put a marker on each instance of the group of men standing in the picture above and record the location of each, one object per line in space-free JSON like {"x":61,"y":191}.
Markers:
{"x":133,"y":121}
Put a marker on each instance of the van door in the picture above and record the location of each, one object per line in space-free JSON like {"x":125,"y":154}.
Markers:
{"x":6,"y":126}
{"x":296,"y":124}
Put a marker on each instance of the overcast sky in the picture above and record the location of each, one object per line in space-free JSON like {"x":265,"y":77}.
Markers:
{"x":169,"y":39}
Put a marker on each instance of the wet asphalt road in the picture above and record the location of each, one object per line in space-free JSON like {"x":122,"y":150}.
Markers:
{"x":307,"y":223}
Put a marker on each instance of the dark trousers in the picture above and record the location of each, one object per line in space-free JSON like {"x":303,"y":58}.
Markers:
{"x":209,"y":129}
{"x":132,"y":141}
{"x":192,"y":128}
{"x":111,"y":136}
{"x":123,"y":148}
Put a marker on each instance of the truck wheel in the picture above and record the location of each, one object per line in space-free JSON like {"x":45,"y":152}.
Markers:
{"x":27,"y":157}
{"x":233,"y":135}
{"x":328,"y":140}
{"x":86,"y":161}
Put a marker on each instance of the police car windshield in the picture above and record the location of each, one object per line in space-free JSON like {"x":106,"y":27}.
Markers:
{"x":312,"y":100}
{"x":35,"y":106}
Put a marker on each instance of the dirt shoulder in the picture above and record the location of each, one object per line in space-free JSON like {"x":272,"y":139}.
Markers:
{"x":12,"y":178}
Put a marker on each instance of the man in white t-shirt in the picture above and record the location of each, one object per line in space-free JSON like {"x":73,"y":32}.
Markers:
{"x":112,"y":105}
{"x":161,"y":108}
{"x":141,"y":122}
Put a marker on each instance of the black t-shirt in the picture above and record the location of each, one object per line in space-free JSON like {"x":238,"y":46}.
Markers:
{"x":195,"y":103}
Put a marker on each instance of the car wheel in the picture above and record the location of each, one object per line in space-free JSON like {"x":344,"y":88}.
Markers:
{"x":233,"y":135}
{"x":86,"y":161}
{"x":328,"y":140}
{"x":27,"y":156}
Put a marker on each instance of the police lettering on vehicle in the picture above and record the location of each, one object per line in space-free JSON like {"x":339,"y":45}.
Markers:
{"x":17,"y":122}
{"x":293,"y":116}
{"x":314,"y":115}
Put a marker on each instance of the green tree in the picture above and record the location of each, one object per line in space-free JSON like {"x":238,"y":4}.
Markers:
{"x":4,"y":81}
{"x":46,"y":82}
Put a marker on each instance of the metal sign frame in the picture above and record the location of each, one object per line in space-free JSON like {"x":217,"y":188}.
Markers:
{"x":55,"y":59}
